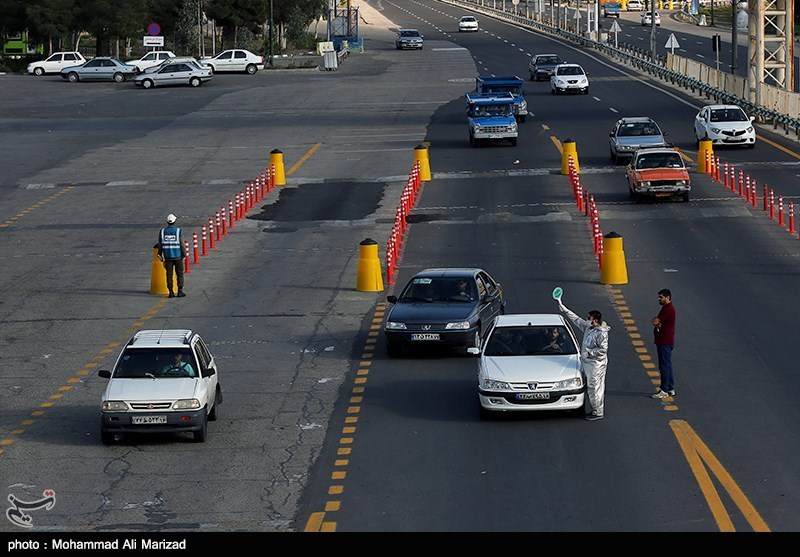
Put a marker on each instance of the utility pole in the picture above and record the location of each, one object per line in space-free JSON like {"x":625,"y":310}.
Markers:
{"x":271,"y":25}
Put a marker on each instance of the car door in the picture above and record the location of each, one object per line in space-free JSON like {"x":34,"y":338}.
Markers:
{"x":700,"y":122}
{"x":93,"y":69}
{"x":224,"y":61}
{"x":490,"y":296}
{"x":54,"y":63}
{"x":172,"y":74}
{"x":70,"y":59}
{"x":239,"y":60}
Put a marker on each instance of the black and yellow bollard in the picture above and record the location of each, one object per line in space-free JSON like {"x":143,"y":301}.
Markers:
{"x":706,"y":150}
{"x":369,"y":267}
{"x":613,"y":269}
{"x":276,"y":160}
{"x":421,"y":156}
{"x":158,"y":276}
{"x":569,"y":149}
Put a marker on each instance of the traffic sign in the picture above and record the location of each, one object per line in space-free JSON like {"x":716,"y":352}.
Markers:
{"x":615,"y":28}
{"x":672,"y":42}
{"x":153,"y":29}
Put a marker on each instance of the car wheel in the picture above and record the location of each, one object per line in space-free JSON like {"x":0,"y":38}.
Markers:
{"x":513,"y":141}
{"x":523,"y":118}
{"x":213,"y":70}
{"x":586,"y":92}
{"x":201,"y":434}
{"x":751,"y":146}
{"x":685,"y":197}
{"x":532,"y":78}
{"x":147,"y":83}
{"x":72,"y":77}
{"x":38,"y":71}
{"x":194,"y":82}
{"x":119,"y":78}
{"x":251,"y":69}
{"x":486,"y":414}
{"x":213,"y":416}
{"x":107,"y":438}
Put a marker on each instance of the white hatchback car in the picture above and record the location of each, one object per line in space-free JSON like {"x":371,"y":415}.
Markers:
{"x":56,"y":62}
{"x":725,"y":124}
{"x":151,"y":59}
{"x":569,"y":78}
{"x":235,"y":60}
{"x":164,"y":381}
{"x":647,"y":17}
{"x":468,"y":23}
{"x":528,"y":363}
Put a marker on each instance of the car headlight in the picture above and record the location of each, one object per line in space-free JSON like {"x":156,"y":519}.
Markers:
{"x":114,"y":406}
{"x":492,"y":385}
{"x":186,"y":404}
{"x":512,"y":127}
{"x":749,"y":130}
{"x":644,"y":184}
{"x":478,"y":127}
{"x":523,"y":104}
{"x":681,"y":183}
{"x":574,"y":383}
{"x":395,"y":326}
{"x":457,"y":325}
{"x":715,"y":130}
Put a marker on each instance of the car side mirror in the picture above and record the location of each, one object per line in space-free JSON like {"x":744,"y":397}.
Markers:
{"x":208,"y":372}
{"x":106,"y":374}
{"x":752,"y":118}
{"x":473,"y":350}
{"x":391,"y":299}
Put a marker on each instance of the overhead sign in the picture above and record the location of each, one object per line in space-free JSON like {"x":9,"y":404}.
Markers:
{"x":147,"y":40}
{"x":153,"y":29}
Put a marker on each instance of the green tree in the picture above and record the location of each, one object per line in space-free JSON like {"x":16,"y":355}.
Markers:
{"x":234,"y":15}
{"x":50,"y":21}
{"x":187,"y":32}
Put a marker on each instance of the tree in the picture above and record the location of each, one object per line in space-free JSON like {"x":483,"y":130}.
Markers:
{"x":187,"y":31}
{"x":50,"y":21}
{"x":233,"y":15}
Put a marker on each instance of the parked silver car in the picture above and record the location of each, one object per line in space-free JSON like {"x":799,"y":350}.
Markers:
{"x":102,"y":68}
{"x":174,"y":73}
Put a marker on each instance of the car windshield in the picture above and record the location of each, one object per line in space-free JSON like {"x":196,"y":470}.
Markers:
{"x":494,"y":89}
{"x":493,"y":110}
{"x":570,"y":70}
{"x":728,"y":115}
{"x":548,"y":60}
{"x":659,"y":160}
{"x":425,"y":289}
{"x":637,"y":128}
{"x":152,"y":363}
{"x":529,"y":341}
{"x":409,"y":34}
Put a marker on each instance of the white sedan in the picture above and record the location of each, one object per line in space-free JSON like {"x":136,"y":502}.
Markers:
{"x":468,"y":23}
{"x":569,"y":78}
{"x":529,"y":363}
{"x":725,"y":124}
{"x":235,"y":60}
{"x":648,"y":18}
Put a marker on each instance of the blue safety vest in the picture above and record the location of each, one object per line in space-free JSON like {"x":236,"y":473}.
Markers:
{"x":171,"y":243}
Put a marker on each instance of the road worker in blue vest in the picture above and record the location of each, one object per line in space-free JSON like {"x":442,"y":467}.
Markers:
{"x":172,"y":251}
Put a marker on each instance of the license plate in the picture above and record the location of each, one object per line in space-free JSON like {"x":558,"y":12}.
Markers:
{"x":532,"y":396}
{"x":145,"y":420}
{"x":425,"y":336}
{"x":663,"y":194}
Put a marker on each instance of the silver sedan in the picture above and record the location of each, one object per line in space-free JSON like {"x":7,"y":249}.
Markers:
{"x":175,"y":73}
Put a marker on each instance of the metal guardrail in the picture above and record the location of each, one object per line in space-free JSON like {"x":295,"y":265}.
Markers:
{"x":642,"y":60}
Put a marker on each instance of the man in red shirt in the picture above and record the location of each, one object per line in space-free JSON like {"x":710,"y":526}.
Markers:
{"x":664,"y":333}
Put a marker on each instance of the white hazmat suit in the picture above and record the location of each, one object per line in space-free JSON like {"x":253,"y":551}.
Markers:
{"x":594,"y":356}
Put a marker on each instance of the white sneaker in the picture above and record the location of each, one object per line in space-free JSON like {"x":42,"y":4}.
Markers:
{"x":660,"y":394}
{"x":672,"y":392}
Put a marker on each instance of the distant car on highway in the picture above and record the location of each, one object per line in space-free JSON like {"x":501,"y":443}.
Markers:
{"x":569,"y":78}
{"x":541,"y":66}
{"x":55,"y":63}
{"x":174,"y":73}
{"x":631,"y":133}
{"x":433,"y":310}
{"x":408,"y":39}
{"x":467,"y":23}
{"x":634,"y":5}
{"x":656,"y":172}
{"x":102,"y":68}
{"x":234,"y":60}
{"x":612,"y":9}
{"x":648,"y":18}
{"x":529,"y":363}
{"x":725,"y":124}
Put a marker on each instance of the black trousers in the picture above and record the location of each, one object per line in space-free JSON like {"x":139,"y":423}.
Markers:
{"x":177,"y":265}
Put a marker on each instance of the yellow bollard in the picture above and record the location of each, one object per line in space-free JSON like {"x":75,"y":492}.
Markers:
{"x":568,"y":148}
{"x":369,"y":267}
{"x":613,"y":269}
{"x":421,"y":155}
{"x":158,"y":276}
{"x":705,"y":147}
{"x":276,"y":158}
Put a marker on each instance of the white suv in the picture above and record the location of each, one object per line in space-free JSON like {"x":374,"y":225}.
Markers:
{"x":164,"y":381}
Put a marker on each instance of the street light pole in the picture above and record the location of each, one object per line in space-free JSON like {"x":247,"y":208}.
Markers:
{"x":271,"y":23}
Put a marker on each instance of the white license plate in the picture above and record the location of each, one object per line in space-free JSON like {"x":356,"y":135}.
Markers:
{"x":532,"y":396}
{"x":425,"y":336}
{"x":145,"y":420}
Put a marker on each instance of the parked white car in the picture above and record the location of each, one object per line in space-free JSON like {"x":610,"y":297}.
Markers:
{"x":56,"y":62}
{"x":725,"y":124}
{"x":151,"y":59}
{"x":234,"y":60}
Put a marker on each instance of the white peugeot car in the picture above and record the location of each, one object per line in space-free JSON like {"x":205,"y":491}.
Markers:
{"x":569,"y":78}
{"x":725,"y":124}
{"x":529,"y":363}
{"x":468,"y":23}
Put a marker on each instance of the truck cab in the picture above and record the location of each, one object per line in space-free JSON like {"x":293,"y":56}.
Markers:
{"x":491,"y":118}
{"x":489,"y":85}
{"x":612,"y":9}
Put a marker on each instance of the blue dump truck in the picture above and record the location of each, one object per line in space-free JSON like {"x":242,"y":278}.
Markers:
{"x":491,"y":118}
{"x":612,"y":9}
{"x":487,"y":85}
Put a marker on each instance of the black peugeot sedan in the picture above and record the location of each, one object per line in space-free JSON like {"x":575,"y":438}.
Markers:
{"x":443,"y":307}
